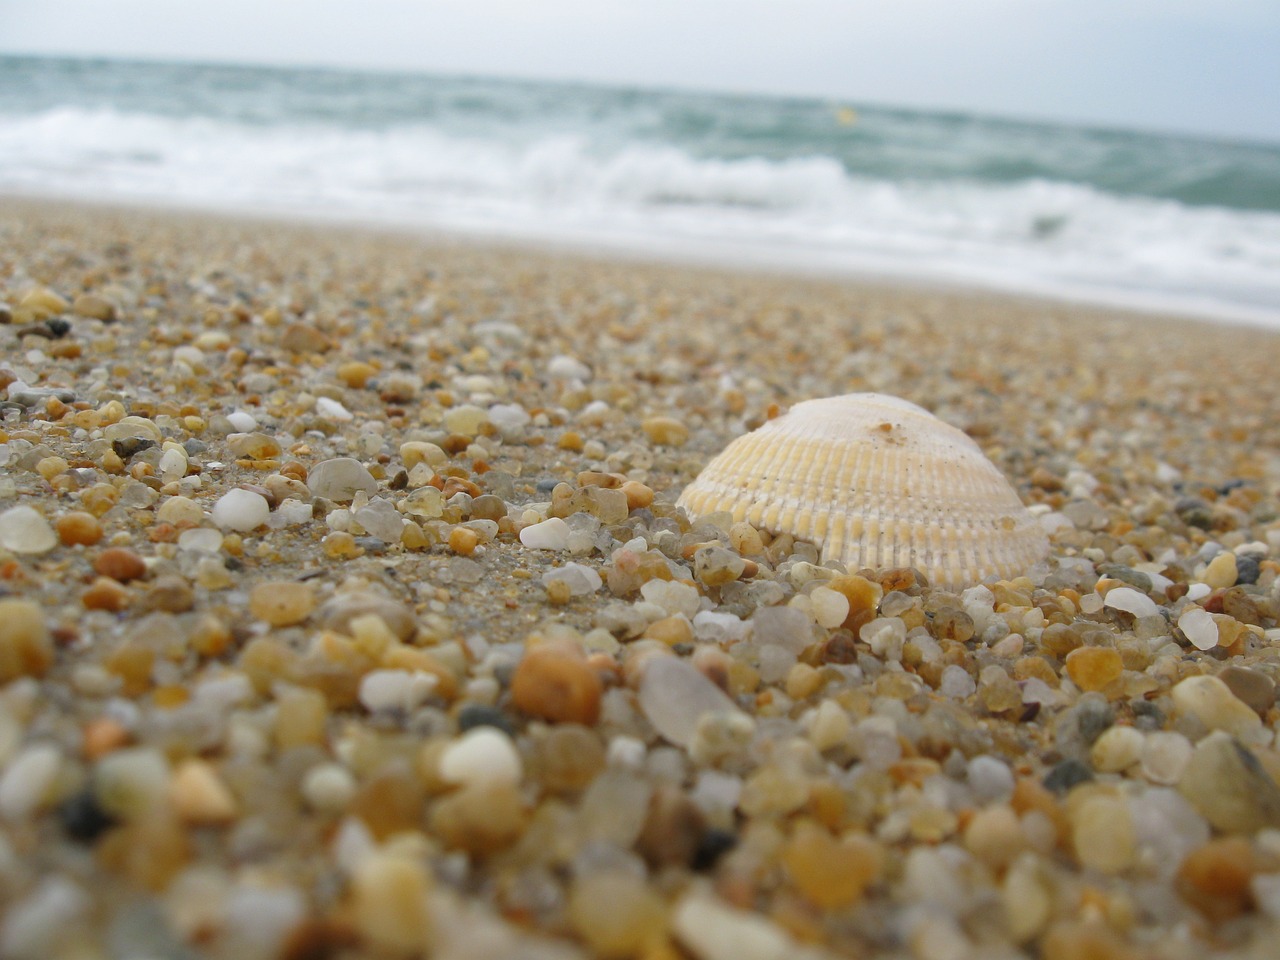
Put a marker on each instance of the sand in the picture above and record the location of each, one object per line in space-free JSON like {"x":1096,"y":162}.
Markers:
{"x":252,"y":708}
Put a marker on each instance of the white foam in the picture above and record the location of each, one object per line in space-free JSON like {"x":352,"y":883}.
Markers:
{"x":1045,"y":237}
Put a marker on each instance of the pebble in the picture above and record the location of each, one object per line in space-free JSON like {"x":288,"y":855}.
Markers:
{"x":24,"y":530}
{"x":1165,"y":754}
{"x":552,"y":534}
{"x":120,"y":564}
{"x":1222,"y":571}
{"x":580,"y":579}
{"x":1102,"y":834}
{"x":665,"y":431}
{"x":1094,"y":668}
{"x":26,"y":647}
{"x":240,"y":510}
{"x":199,"y":796}
{"x":34,"y":924}
{"x":27,"y":779}
{"x":555,"y":682}
{"x":381,"y":519}
{"x":1228,"y":786}
{"x":399,"y":690}
{"x":328,"y":788}
{"x":1199,"y":628}
{"x":480,"y":757}
{"x":1117,"y":749}
{"x":390,"y":903}
{"x":1131,"y":601}
{"x":339,"y":479}
{"x":712,"y":930}
{"x":674,"y":696}
{"x":1254,"y":688}
{"x":78,"y":528}
{"x":282,"y":603}
{"x":1211,"y":701}
{"x":95,"y":308}
{"x":615,"y":913}
{"x":831,"y":873}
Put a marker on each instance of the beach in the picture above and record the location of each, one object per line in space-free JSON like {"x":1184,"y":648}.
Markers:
{"x":295,"y":663}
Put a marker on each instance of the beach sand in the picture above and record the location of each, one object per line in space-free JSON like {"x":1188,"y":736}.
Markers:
{"x":243,"y":714}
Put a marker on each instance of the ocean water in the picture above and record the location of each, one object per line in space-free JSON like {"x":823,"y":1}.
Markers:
{"x":1150,"y":220}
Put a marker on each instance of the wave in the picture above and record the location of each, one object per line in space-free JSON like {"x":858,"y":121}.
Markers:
{"x":1033,"y":232}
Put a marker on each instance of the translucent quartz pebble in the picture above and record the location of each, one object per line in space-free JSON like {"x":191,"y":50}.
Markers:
{"x":339,"y":479}
{"x":1131,"y":601}
{"x":674,"y":695}
{"x":381,"y":519}
{"x":24,"y":530}
{"x":1199,"y":627}
{"x":581,"y":579}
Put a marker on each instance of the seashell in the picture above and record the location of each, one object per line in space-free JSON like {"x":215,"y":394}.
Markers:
{"x":874,"y":481}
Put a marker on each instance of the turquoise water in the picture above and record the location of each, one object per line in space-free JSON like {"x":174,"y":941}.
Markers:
{"x":1090,"y":213}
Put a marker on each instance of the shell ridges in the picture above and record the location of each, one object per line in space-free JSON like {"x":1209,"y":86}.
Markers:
{"x":874,"y":481}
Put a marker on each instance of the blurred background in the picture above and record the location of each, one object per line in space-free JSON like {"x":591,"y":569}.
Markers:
{"x":1124,"y":152}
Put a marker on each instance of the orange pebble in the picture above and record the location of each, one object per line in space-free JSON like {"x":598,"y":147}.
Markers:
{"x":78,"y":528}
{"x":554,"y":681}
{"x":101,"y":736}
{"x":120,"y":564}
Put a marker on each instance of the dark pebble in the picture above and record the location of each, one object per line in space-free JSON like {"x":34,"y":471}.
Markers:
{"x":1194,"y":512}
{"x":1135,"y":578}
{"x":371,"y":545}
{"x":1247,"y":569}
{"x":130,"y":447}
{"x":194,"y":446}
{"x":82,"y":818}
{"x":1093,"y":717}
{"x":546,"y":486}
{"x":1066,"y":775}
{"x":58,"y":327}
{"x":712,"y":845}
{"x":1146,"y":715}
{"x":481,"y":715}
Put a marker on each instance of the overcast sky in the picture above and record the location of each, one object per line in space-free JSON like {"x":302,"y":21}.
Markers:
{"x":1206,"y":66}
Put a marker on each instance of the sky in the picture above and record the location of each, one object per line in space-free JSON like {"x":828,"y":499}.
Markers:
{"x":1198,"y":66}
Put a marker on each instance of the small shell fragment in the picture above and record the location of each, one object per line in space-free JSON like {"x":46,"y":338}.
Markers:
{"x":874,"y":481}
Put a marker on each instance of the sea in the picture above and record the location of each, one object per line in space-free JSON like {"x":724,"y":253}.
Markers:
{"x":1135,"y":218}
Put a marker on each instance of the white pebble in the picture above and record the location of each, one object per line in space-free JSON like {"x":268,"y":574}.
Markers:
{"x":552,"y":534}
{"x":830,"y":607}
{"x":1131,"y":601}
{"x":956,"y":683}
{"x":240,"y":510}
{"x":563,"y":367}
{"x":510,"y":419}
{"x":582,"y":580}
{"x":33,"y":925}
{"x":328,"y":787}
{"x":27,"y":779}
{"x":715,"y":627}
{"x":381,"y":519}
{"x":1118,"y":749}
{"x":24,"y":530}
{"x":674,"y":597}
{"x":396,"y":689}
{"x":243,"y":422}
{"x":340,"y":478}
{"x":1199,"y":627}
{"x":200,"y":540}
{"x":333,"y":410}
{"x":481,"y":756}
{"x":990,"y":778}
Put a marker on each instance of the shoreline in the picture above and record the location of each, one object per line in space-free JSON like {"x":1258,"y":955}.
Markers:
{"x":868,"y":270}
{"x":335,"y":563}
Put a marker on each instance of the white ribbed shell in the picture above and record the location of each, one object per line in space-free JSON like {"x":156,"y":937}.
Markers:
{"x":878,"y":482}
